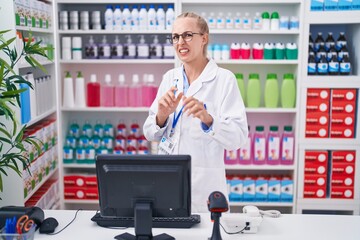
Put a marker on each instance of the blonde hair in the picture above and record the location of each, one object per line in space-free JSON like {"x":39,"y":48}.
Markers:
{"x":201,"y":22}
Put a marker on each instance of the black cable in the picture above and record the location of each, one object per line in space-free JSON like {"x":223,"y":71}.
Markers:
{"x":231,"y":233}
{"x":67,"y":224}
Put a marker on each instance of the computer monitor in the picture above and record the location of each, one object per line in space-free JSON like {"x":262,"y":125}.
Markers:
{"x":144,"y":186}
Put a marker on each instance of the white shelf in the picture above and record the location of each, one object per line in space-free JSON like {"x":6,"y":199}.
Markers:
{"x":41,"y":117}
{"x":76,"y":165}
{"x":258,"y":61}
{"x":265,"y":32}
{"x":327,"y":143}
{"x":271,"y":110}
{"x":107,"y":109}
{"x":263,"y":204}
{"x":43,"y":63}
{"x":332,"y":81}
{"x":119,"y":61}
{"x":332,"y":17}
{"x":38,"y":186}
{"x":259,"y":167}
{"x":113,"y":1}
{"x":33,"y":30}
{"x":70,"y":201}
{"x":217,"y":2}
{"x":327,"y":202}
{"x":103,"y":31}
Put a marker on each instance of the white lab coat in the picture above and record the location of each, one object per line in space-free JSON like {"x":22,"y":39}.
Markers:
{"x":218,"y":89}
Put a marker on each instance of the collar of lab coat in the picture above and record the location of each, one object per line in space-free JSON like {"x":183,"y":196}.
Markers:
{"x":208,"y":74}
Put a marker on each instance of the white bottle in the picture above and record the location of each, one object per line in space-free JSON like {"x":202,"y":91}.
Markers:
{"x":68,"y":94}
{"x":135,"y":18}
{"x":169,"y":17}
{"x":169,"y":51}
{"x":220,"y":21}
{"x":238,"y":21}
{"x":117,"y":50}
{"x":80,"y":91}
{"x":117,"y":18}
{"x":257,"y":23}
{"x":126,"y":18}
{"x":160,"y":18}
{"x":109,"y":25}
{"x":143,"y":18}
{"x":229,"y":21}
{"x":212,"y":21}
{"x":33,"y":110}
{"x":129,"y":48}
{"x":156,"y":49}
{"x":247,"y":21}
{"x":151,"y":18}
{"x":142,"y":48}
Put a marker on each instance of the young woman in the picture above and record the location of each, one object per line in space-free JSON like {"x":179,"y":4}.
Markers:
{"x":198,"y":110}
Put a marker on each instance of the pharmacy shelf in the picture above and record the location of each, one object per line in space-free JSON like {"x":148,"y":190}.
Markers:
{"x":37,"y":187}
{"x":79,"y":166}
{"x":116,"y":32}
{"x":332,"y":17}
{"x":42,"y":62}
{"x":34,"y":30}
{"x":249,"y":32}
{"x":327,"y":143}
{"x":41,"y":117}
{"x":217,"y":2}
{"x":271,"y":110}
{"x":332,"y":81}
{"x":107,"y":109}
{"x":259,"y":62}
{"x":260,"y":167}
{"x":81,"y":201}
{"x":119,"y":61}
{"x":263,"y":204}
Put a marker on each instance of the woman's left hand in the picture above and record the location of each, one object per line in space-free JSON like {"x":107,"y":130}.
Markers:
{"x":197,"y":108}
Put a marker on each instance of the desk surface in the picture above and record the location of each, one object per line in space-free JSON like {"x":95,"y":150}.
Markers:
{"x":288,"y":226}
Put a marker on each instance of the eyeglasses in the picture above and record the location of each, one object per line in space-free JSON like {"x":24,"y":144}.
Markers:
{"x":186,"y":36}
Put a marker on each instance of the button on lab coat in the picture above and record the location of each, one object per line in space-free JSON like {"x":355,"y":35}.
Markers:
{"x":218,"y":89}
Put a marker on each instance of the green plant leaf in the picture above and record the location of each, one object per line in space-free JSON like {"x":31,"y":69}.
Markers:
{"x":7,"y":43}
{"x":20,"y":135}
{"x":5,"y":140}
{"x":7,"y":66}
{"x":7,"y":134}
{"x":14,"y":128}
{"x":38,"y":64}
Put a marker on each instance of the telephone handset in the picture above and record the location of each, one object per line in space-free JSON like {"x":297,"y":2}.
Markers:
{"x":251,"y":211}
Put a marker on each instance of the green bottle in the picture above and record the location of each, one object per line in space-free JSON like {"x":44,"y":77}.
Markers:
{"x":87,"y":129}
{"x":241,"y":85}
{"x":99,"y":129}
{"x":75,"y":129}
{"x":253,"y":91}
{"x":108,"y":129}
{"x":288,"y":91}
{"x":271,"y":95}
{"x":90,"y":154}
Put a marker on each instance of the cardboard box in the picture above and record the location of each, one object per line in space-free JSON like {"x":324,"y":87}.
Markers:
{"x":314,"y":192}
{"x":342,"y":192}
{"x":287,"y":190}
{"x":343,"y":107}
{"x":315,"y":105}
{"x":317,"y":131}
{"x":342,"y":131}
{"x":342,"y":180}
{"x":274,"y":190}
{"x":331,"y":5}
{"x":343,"y":156}
{"x":74,"y":193}
{"x":316,"y":180}
{"x":314,"y":168}
{"x":319,"y":94}
{"x":343,"y":169}
{"x":343,"y":119}
{"x":317,"y":118}
{"x":261,"y":189}
{"x":74,"y":180}
{"x":248,"y":190}
{"x":236,"y":190}
{"x":346,"y":95}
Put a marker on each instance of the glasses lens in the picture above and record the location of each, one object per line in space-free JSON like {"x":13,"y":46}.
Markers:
{"x":187,"y":36}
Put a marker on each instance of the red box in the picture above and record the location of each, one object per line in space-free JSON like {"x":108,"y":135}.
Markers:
{"x":74,"y":180}
{"x":342,"y":132}
{"x":343,"y":156}
{"x":314,"y":192}
{"x":315,"y":180}
{"x":343,"y":119}
{"x":318,"y":93}
{"x":313,"y":168}
{"x":317,"y":131}
{"x":91,"y":193}
{"x":91,"y":181}
{"x":315,"y":105}
{"x":343,"y":169}
{"x":320,"y":157}
{"x":74,"y":193}
{"x":317,"y":118}
{"x":342,"y":192}
{"x":343,"y":107}
{"x":342,"y":181}
{"x":343,"y":95}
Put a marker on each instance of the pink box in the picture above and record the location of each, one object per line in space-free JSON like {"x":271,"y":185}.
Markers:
{"x":342,"y":192}
{"x":318,"y":93}
{"x":343,"y":156}
{"x":343,"y":95}
{"x":314,"y":192}
{"x":316,"y":180}
{"x":320,"y":157}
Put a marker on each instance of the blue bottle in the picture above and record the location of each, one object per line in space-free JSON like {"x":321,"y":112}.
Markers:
{"x":25,"y":103}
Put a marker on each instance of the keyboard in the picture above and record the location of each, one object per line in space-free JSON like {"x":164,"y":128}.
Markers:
{"x":158,"y":222}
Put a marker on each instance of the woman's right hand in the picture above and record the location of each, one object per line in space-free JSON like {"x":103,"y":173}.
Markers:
{"x":167,"y":105}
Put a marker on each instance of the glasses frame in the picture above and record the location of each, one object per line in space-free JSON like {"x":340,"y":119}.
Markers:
{"x":183,"y":35}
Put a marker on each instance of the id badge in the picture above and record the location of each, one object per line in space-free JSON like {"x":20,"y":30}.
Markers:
{"x":166,"y":146}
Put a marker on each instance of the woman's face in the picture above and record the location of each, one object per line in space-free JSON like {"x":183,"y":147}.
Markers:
{"x":192,"y":50}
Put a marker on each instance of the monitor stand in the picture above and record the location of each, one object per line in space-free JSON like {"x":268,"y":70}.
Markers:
{"x":143,"y":225}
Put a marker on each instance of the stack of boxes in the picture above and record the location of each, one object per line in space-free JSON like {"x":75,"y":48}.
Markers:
{"x":315,"y":174}
{"x":80,"y":187}
{"x":330,"y":113}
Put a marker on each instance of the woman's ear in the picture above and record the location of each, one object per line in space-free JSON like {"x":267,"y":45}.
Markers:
{"x":205,"y":38}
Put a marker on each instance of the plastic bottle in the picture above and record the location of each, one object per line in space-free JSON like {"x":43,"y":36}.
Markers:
{"x":245,"y":50}
{"x":288,"y":91}
{"x":151,"y":17}
{"x":341,"y":41}
{"x":212,"y":21}
{"x":225,"y":52}
{"x":312,"y":66}
{"x":311,"y":41}
{"x":238,"y":21}
{"x":83,"y":140}
{"x":322,"y":65}
{"x":169,"y":17}
{"x":345,"y":65}
{"x":241,"y":85}
{"x":99,"y":129}
{"x":109,"y":18}
{"x":134,"y":92}
{"x":87,"y":129}
{"x":329,"y":40}
{"x":33,"y":93}
{"x":247,"y":21}
{"x":217,"y":52}
{"x":156,"y":49}
{"x":126,"y":18}
{"x":68,"y":154}
{"x":220,"y":21}
{"x":108,"y":129}
{"x":104,"y":49}
{"x":265,"y":21}
{"x":318,"y":40}
{"x":80,"y":91}
{"x":90,"y":154}
{"x":107,"y":92}
{"x":108,"y":143}
{"x":121,"y":92}
{"x":235,"y":50}
{"x":269,"y":51}
{"x":259,"y":147}
{"x":143,"y":145}
{"x":332,"y":51}
{"x":160,"y":18}
{"x":117,"y":49}
{"x":119,"y":150}
{"x":169,"y":52}
{"x":96,"y":142}
{"x":271,"y":94}
{"x":229,"y":21}
{"x":275,"y":21}
{"x":287,"y":146}
{"x":245,"y":153}
{"x":257,"y":22}
{"x":135,"y":24}
{"x":102,"y":149}
{"x":273,"y":146}
{"x":143,"y":18}
{"x":129,"y":48}
{"x":253,"y":93}
{"x":93,"y":92}
{"x":142,"y":48}
{"x":68,"y":97}
{"x":258,"y":51}
{"x":117,"y":18}
{"x":75,"y":129}
{"x":342,"y":51}
{"x":25,"y":104}
{"x":231,"y":157}
{"x":153,"y":88}
{"x":333,"y":65}
{"x":91,"y":49}
{"x":321,"y":51}
{"x":135,"y":128}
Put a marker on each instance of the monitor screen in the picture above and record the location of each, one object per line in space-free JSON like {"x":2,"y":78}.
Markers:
{"x":163,"y":181}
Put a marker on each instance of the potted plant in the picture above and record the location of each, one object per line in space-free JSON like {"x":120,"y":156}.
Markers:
{"x":13,"y":155}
